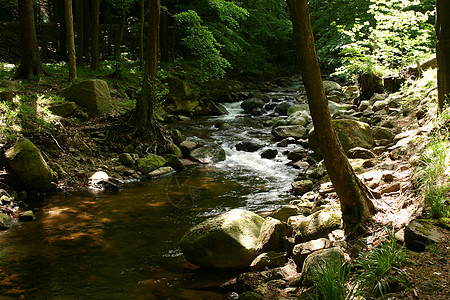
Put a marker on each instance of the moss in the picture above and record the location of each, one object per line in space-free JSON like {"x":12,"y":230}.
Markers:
{"x":444,"y":223}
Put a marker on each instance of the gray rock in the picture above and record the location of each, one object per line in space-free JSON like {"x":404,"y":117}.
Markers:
{"x":295,"y":131}
{"x":271,"y":235}
{"x":319,"y":224}
{"x":359,"y":152}
{"x":269,"y":260}
{"x":317,"y":262}
{"x":302,"y":186}
{"x":227,"y":241}
{"x":299,"y":118}
{"x":187,"y":147}
{"x":364,"y":105}
{"x":248,"y":146}
{"x":351,"y":134}
{"x":419,"y":234}
{"x":297,"y":107}
{"x":285,"y":212}
{"x":382,"y":133}
{"x":331,"y":86}
{"x":250,"y":104}
{"x":208,"y":154}
{"x":161,"y":171}
{"x":379,"y":105}
{"x":282,"y":108}
{"x":91,"y":94}
{"x":183,"y":98}
{"x":301,"y":251}
{"x":28,"y":165}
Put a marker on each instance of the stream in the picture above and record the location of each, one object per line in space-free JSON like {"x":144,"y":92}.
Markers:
{"x":124,"y":245}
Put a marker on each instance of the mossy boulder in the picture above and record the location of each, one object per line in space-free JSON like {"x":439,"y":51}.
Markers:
{"x":28,"y":165}
{"x":208,"y":154}
{"x":319,"y":224}
{"x":295,"y":131}
{"x":227,"y":241}
{"x":351,"y":134}
{"x":183,"y":98}
{"x":317,"y":263}
{"x":150,"y":163}
{"x":91,"y":94}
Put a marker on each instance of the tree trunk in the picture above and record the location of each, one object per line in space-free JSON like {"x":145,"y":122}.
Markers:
{"x":442,"y":51}
{"x":164,"y":34}
{"x":141,"y":35}
{"x":145,"y":105}
{"x":87,"y":26}
{"x":30,"y":64}
{"x":70,"y":41}
{"x":80,"y":30}
{"x":95,"y":62}
{"x":119,"y":38}
{"x":355,"y":204}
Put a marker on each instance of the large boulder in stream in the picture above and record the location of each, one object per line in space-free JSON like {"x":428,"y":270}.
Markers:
{"x":227,"y":241}
{"x":295,"y":131}
{"x":150,"y":163}
{"x":351,"y":134}
{"x":28,"y":165}
{"x":91,"y":94}
{"x":208,"y":154}
{"x":183,"y":97}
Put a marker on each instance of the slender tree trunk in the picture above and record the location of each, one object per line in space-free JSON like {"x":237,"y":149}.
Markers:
{"x":80,"y":30}
{"x":95,"y":62}
{"x":87,"y":27}
{"x":110,"y":31}
{"x":30,"y":64}
{"x":70,"y":41}
{"x":442,"y":51}
{"x":119,"y":38}
{"x":355,"y":205}
{"x":145,"y":105}
{"x":141,"y":35}
{"x":164,"y":34}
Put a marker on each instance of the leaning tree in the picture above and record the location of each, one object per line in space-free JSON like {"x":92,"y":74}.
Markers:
{"x":355,"y":205}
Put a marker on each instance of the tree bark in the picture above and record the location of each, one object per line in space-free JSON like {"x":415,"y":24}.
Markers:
{"x":70,"y":41}
{"x":141,"y":35}
{"x":87,"y":27}
{"x":30,"y":64}
{"x":164,"y":34}
{"x":442,"y":51}
{"x":95,"y":62}
{"x":145,"y":105}
{"x":80,"y":30}
{"x":119,"y":38}
{"x":355,"y":204}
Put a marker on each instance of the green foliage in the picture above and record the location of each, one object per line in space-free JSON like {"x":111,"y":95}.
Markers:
{"x":380,"y":268}
{"x":203,"y":45}
{"x":396,"y":35}
{"x":434,"y":175}
{"x":333,"y":280}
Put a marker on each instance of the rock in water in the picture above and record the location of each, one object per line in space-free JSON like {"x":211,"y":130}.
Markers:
{"x":92,"y":94}
{"x":208,"y":154}
{"x":227,"y":241}
{"x":28,"y":165}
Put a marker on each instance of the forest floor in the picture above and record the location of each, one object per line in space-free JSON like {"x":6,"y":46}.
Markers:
{"x":427,"y":274}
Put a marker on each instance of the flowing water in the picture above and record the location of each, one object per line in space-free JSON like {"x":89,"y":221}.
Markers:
{"x":124,"y":245}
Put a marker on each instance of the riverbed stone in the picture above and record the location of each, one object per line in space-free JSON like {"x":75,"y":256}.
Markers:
{"x":317,"y":262}
{"x":28,"y":165}
{"x":249,"y":105}
{"x":301,"y":251}
{"x":91,"y":94}
{"x":26,"y":216}
{"x":126,"y":159}
{"x":187,"y":147}
{"x":269,"y":153}
{"x":301,"y":186}
{"x":227,"y":241}
{"x":271,"y":235}
{"x":359,"y":152}
{"x":299,"y":118}
{"x":150,"y":163}
{"x":295,"y":131}
{"x":174,"y":162}
{"x":351,"y":134}
{"x":331,"y":86}
{"x":285,"y":212}
{"x":5,"y":221}
{"x":183,"y":98}
{"x":282,"y":108}
{"x":269,"y":260}
{"x":161,"y":171}
{"x":208,"y":154}
{"x":319,"y":224}
{"x":248,"y":146}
